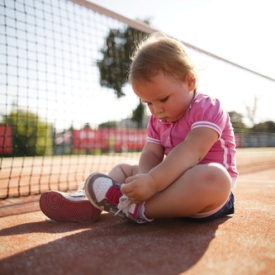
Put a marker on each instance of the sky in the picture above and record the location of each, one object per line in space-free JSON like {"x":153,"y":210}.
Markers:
{"x":241,"y":31}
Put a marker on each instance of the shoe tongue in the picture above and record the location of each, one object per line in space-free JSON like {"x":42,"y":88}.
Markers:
{"x":78,"y":193}
{"x":113,"y":194}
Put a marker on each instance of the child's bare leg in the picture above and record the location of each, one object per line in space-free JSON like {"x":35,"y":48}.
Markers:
{"x":122,"y":171}
{"x":200,"y":189}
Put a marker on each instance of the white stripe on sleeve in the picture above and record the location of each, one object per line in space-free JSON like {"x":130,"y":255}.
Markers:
{"x":208,"y":125}
{"x":153,"y":140}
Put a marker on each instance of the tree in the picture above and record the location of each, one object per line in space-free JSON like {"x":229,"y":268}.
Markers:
{"x":109,"y":124}
{"x":138,"y":114}
{"x":251,"y":110}
{"x":116,"y":61}
{"x":237,"y":122}
{"x":115,"y":64}
{"x":30,"y":135}
{"x":264,"y":127}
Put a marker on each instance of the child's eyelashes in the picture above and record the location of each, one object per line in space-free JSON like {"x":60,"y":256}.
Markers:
{"x":164,"y":99}
{"x":161,"y":100}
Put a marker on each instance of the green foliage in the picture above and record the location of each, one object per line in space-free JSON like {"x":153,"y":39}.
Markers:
{"x":237,"y":122}
{"x":30,"y":135}
{"x":116,"y":61}
{"x":115,"y":64}
{"x":109,"y":124}
{"x":241,"y":128}
{"x":264,"y":127}
{"x":138,"y":114}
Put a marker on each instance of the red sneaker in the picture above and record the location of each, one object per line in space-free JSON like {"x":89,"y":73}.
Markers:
{"x":75,"y":207}
{"x":104,"y":193}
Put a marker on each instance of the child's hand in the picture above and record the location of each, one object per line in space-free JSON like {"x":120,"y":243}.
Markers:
{"x":139,"y":188}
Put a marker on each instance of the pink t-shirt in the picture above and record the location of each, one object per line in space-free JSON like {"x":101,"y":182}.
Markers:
{"x":203,"y":111}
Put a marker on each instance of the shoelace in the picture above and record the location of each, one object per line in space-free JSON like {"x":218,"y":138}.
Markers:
{"x":80,"y":191}
{"x":116,"y":198}
{"x":124,"y":205}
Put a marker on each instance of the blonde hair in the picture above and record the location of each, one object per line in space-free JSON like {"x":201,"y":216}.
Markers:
{"x":160,"y":53}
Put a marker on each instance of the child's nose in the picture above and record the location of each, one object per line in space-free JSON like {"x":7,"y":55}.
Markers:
{"x":158,"y":109}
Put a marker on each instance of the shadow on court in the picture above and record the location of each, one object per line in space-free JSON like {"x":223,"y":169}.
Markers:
{"x":112,"y":246}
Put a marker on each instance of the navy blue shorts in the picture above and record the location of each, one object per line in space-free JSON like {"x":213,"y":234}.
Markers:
{"x":227,"y":209}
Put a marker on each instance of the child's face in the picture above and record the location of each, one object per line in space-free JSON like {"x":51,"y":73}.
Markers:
{"x":167,"y":98}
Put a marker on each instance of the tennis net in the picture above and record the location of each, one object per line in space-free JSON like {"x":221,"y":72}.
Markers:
{"x":65,"y":103}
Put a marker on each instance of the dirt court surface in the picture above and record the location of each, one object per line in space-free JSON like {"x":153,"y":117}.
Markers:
{"x":243,"y":243}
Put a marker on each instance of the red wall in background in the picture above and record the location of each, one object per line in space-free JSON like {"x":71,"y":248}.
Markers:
{"x":105,"y":138}
{"x":5,"y":140}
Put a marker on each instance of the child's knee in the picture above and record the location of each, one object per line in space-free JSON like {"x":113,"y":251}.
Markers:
{"x":128,"y":169}
{"x":220,"y":177}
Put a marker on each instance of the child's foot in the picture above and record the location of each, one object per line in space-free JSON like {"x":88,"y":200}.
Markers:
{"x":104,"y":193}
{"x":75,"y":207}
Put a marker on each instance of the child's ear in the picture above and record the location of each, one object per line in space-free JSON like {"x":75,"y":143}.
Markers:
{"x":191,"y":81}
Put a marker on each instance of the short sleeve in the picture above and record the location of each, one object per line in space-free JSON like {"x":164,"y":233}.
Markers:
{"x":208,"y":112}
{"x":152,"y":131}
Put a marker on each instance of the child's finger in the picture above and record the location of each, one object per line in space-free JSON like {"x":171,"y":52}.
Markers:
{"x":125,"y":188}
{"x":129,"y":179}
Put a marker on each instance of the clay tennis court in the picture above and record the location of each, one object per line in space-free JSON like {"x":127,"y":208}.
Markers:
{"x":243,"y":243}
